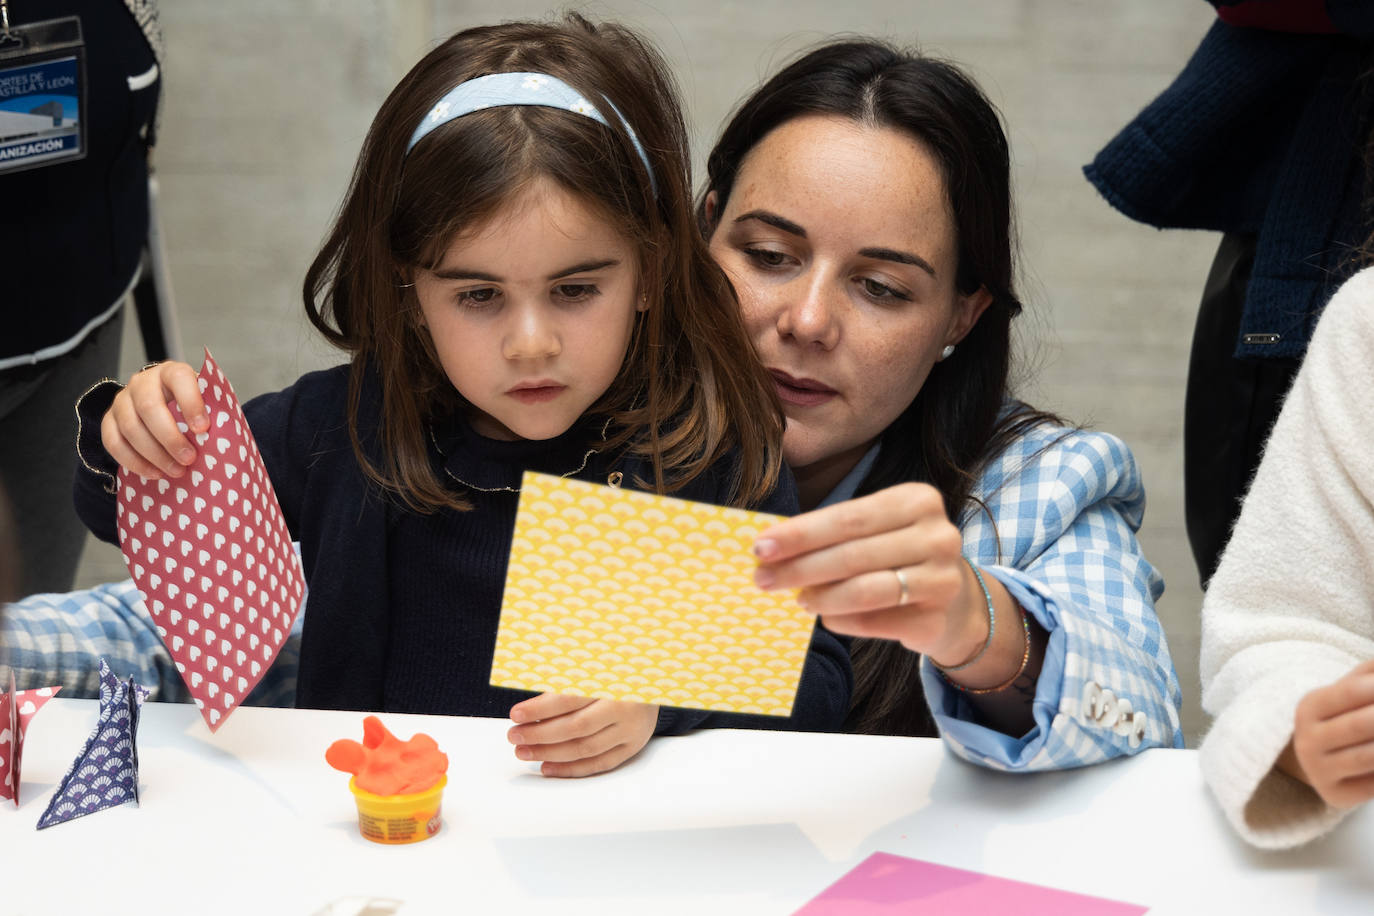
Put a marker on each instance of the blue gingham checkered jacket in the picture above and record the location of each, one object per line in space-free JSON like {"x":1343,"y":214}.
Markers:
{"x":59,"y":639}
{"x":1063,"y":506}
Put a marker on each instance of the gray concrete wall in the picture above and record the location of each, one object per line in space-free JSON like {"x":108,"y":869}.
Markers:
{"x":267,"y":104}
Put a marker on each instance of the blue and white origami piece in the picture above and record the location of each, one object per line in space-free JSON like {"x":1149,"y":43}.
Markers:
{"x":105,"y":773}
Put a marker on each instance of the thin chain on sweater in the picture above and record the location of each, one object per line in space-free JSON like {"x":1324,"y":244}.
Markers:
{"x":613,"y":478}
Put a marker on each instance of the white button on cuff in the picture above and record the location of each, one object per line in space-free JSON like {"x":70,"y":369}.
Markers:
{"x":1106,"y":709}
{"x":1122,"y":726}
{"x":1139,"y":724}
{"x":1087,"y":706}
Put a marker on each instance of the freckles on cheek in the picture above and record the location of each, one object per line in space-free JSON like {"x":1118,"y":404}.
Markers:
{"x":754,"y":321}
{"x":760,"y":333}
{"x":897,"y":372}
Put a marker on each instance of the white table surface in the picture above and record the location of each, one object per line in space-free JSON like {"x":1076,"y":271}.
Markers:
{"x":252,"y":819}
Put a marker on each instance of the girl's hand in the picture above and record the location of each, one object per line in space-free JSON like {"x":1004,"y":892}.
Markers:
{"x":843,"y":559}
{"x":139,"y":430}
{"x":1333,"y":738}
{"x":578,"y":736}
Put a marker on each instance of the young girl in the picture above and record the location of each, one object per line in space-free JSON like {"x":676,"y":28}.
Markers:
{"x":517,"y":279}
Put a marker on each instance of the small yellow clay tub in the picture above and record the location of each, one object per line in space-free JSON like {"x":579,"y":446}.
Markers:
{"x":399,"y":819}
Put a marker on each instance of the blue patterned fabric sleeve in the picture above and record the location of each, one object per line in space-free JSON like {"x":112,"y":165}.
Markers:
{"x":59,"y":639}
{"x":1063,"y":508}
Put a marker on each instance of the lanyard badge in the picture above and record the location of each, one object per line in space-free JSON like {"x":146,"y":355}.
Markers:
{"x":42,"y":92}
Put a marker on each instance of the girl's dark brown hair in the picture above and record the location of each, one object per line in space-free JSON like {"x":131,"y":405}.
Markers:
{"x":691,"y":387}
{"x":957,"y":421}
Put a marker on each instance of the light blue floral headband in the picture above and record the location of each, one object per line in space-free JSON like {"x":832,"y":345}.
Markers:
{"x":499,"y":90}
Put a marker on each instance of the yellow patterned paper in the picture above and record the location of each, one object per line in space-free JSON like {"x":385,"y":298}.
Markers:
{"x":632,"y":596}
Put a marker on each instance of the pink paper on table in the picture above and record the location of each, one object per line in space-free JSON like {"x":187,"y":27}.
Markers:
{"x":212,"y":555}
{"x":885,"y":885}
{"x":17,"y":707}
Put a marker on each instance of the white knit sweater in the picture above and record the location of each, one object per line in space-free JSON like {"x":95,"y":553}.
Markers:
{"x":1291,"y":607}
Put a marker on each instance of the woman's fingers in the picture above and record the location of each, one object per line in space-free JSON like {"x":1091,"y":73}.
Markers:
{"x":908,"y":627}
{"x":928,"y":585}
{"x":888,"y":565}
{"x":852,"y":520}
{"x":928,"y":543}
{"x":909,"y":537}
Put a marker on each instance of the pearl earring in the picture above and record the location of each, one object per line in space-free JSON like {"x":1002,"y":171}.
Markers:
{"x":947,"y":352}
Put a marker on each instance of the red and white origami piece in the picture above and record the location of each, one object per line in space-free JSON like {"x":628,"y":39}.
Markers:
{"x":212,"y":556}
{"x":17,"y":707}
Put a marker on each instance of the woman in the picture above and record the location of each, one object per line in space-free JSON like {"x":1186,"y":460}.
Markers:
{"x":860,"y":202}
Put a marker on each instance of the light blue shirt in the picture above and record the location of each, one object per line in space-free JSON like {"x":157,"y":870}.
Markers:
{"x":846,"y":488}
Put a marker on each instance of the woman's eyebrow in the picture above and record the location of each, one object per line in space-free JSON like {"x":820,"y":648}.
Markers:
{"x":901,"y":257}
{"x":772,"y":219}
{"x":882,"y":254}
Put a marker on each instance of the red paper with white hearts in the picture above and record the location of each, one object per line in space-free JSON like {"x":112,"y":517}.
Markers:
{"x":212,"y":556}
{"x":17,"y":707}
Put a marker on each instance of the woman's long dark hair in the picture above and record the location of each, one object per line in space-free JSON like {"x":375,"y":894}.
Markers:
{"x":958,"y":420}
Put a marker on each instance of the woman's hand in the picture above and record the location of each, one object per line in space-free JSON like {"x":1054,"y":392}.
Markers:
{"x":139,"y":430}
{"x":578,"y":736}
{"x":1333,"y":739}
{"x":844,"y":559}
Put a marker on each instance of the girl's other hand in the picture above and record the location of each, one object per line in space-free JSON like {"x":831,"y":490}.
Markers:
{"x":139,"y":430}
{"x":578,"y":736}
{"x":1333,"y":739}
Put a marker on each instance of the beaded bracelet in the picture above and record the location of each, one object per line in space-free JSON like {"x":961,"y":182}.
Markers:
{"x":992,"y":621}
{"x":1025,"y":660}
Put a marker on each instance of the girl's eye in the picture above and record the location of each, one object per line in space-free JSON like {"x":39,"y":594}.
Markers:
{"x":575,"y":292}
{"x":766,"y":258}
{"x":476,"y":298}
{"x":881,"y":292}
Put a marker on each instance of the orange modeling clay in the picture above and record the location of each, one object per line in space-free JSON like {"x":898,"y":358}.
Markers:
{"x":384,"y":764}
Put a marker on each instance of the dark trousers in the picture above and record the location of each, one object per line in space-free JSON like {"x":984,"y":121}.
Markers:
{"x":1230,"y":407}
{"x":38,"y":455}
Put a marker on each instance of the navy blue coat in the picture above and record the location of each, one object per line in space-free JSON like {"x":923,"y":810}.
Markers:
{"x":1262,"y":133}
